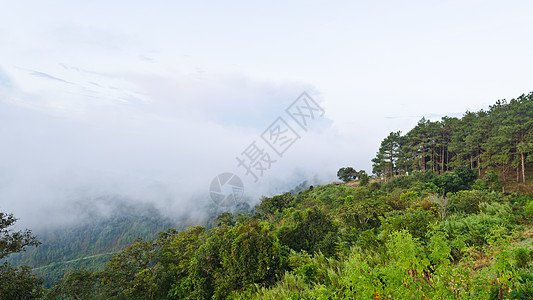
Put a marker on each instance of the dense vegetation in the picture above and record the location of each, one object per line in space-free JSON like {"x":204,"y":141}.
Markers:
{"x":439,"y":227}
{"x":389,"y":240}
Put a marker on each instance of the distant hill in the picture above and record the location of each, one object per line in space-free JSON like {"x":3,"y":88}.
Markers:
{"x":91,"y":243}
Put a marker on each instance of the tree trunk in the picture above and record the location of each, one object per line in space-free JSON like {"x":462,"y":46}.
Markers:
{"x":424,"y":159}
{"x":517,"y":174}
{"x":442,"y":160}
{"x":447,"y":159}
{"x":522,"y":154}
{"x":523,"y":168}
{"x":478,"y":165}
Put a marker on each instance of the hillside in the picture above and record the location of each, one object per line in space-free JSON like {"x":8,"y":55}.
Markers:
{"x":397,"y":239}
{"x":440,"y":221}
{"x":90,"y":243}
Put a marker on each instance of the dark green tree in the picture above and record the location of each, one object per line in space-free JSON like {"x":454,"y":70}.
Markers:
{"x":385,"y":161}
{"x":521,"y":126}
{"x":347,"y":174}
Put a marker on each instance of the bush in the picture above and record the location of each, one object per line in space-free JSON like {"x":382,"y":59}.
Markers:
{"x":492,"y":181}
{"x":312,"y":231}
{"x":465,"y":202}
{"x":522,"y":256}
{"x":528,"y":211}
{"x":415,"y":221}
{"x":473,"y":229}
{"x":459,"y":179}
{"x":479,"y":185}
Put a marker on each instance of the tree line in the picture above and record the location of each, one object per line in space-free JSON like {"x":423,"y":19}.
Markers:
{"x":500,"y":138}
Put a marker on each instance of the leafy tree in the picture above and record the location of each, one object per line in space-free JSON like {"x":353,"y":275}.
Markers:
{"x":13,"y":241}
{"x":16,"y":282}
{"x":347,"y":174}
{"x":233,"y":258}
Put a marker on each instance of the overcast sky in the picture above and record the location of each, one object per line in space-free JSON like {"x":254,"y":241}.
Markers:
{"x":152,"y":99}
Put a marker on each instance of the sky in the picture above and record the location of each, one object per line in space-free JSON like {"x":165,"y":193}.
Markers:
{"x":152,"y":100}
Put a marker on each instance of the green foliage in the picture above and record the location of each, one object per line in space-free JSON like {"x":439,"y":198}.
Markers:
{"x":415,"y":221}
{"x":362,"y":209}
{"x":76,"y":284}
{"x":274,"y":205}
{"x":19,"y":283}
{"x":386,"y":161}
{"x":128,"y":274}
{"x":461,"y":178}
{"x":479,"y":185}
{"x":233,"y":258}
{"x":522,"y":257}
{"x":473,"y":229}
{"x":492,"y":181}
{"x":468,"y":202}
{"x":528,"y":211}
{"x":331,"y":242}
{"x":225,"y":219}
{"x":312,"y":231}
{"x":363,"y":178}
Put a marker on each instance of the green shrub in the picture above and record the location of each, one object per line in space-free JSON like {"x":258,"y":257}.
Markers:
{"x":522,"y":257}
{"x":492,"y":181}
{"x":472,"y":230}
{"x":467,"y":202}
{"x":415,"y":221}
{"x":479,"y":185}
{"x":312,"y":231}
